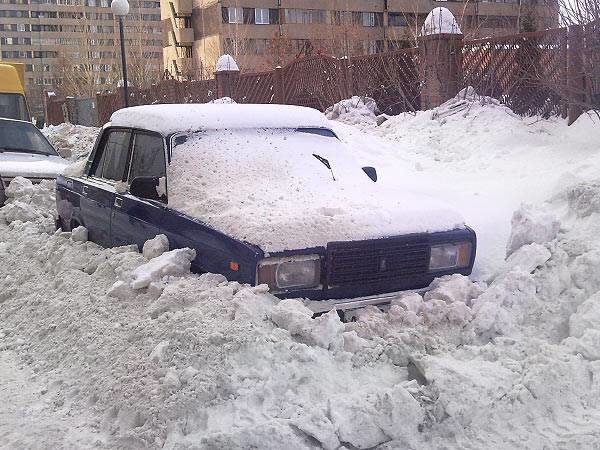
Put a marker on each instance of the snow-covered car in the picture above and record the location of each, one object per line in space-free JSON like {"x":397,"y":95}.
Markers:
{"x":265,"y":194}
{"x":25,"y":152}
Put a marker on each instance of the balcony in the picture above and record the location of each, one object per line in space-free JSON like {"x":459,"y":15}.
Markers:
{"x":184,"y":36}
{"x":181,"y":7}
{"x":183,"y":62}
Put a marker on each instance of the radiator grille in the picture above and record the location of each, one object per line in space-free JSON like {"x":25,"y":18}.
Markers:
{"x":396,"y":261}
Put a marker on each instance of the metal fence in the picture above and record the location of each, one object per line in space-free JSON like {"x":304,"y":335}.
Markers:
{"x":533,"y":73}
{"x":528,"y":71}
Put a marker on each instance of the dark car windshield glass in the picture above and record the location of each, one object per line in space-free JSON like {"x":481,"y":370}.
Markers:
{"x":23,"y":137}
{"x":12,"y":106}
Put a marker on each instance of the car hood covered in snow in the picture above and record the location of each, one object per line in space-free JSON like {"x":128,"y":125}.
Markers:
{"x":267,"y":187}
{"x":29,"y":165}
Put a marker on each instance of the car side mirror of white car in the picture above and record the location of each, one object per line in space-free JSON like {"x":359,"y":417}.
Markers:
{"x":371,"y":172}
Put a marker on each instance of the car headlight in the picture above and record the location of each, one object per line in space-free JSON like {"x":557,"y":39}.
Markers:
{"x":294,"y":272}
{"x":450,"y":256}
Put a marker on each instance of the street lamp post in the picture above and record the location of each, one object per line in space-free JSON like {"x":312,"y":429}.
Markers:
{"x":120,"y":8}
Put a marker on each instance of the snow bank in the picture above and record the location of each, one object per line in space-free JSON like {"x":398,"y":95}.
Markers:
{"x":484,"y":161}
{"x":354,"y":111}
{"x":196,"y":361}
{"x":266,"y":187}
{"x":73,"y":142}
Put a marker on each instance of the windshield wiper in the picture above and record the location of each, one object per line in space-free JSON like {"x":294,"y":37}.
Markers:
{"x":325,"y":163}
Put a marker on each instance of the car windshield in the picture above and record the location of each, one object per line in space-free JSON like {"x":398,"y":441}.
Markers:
{"x":12,"y":106}
{"x":23,"y":137}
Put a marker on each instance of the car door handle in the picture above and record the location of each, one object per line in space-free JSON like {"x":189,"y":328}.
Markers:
{"x":118,"y":202}
{"x":84,"y":190}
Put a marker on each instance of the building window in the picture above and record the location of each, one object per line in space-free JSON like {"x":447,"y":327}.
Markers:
{"x":397,"y":20}
{"x":235,"y":15}
{"x":305,"y":16}
{"x":372,"y":19}
{"x":261,"y":16}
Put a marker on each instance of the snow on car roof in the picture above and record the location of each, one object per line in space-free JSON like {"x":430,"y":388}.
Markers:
{"x":172,"y":118}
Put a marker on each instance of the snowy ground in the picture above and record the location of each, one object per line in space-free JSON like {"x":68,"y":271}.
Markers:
{"x":111,"y":348}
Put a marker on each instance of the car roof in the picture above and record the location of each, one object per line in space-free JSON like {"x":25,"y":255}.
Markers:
{"x":8,"y":119}
{"x":171,"y":118}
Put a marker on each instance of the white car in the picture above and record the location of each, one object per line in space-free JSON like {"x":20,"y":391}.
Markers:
{"x":25,"y":152}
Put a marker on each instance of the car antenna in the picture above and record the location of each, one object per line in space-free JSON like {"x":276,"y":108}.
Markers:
{"x":326,"y":164}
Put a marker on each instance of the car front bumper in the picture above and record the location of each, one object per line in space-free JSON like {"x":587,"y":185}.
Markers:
{"x":349,"y":304}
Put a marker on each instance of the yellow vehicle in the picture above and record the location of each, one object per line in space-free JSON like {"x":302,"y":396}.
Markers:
{"x":12,"y":91}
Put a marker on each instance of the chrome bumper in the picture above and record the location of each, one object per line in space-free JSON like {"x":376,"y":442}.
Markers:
{"x":348,"y":304}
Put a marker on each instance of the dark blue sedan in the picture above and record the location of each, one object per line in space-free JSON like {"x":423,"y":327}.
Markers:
{"x":265,"y":194}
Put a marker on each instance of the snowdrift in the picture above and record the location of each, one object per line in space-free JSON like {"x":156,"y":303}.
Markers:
{"x":119,"y":349}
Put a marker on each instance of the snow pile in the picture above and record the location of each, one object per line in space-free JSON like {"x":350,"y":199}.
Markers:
{"x":29,"y":202}
{"x":483,"y":160}
{"x":440,"y":21}
{"x":268,"y":188}
{"x":354,"y":111}
{"x":223,"y":100}
{"x":73,"y":142}
{"x":196,"y":361}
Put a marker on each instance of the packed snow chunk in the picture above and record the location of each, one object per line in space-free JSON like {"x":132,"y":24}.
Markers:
{"x":529,"y":225}
{"x":585,"y":271}
{"x":586,"y":317}
{"x":324,"y":331}
{"x":410,"y":302}
{"x":226,"y":63}
{"x":73,"y":142}
{"x":223,"y":100}
{"x":527,"y":258}
{"x":466,"y":387}
{"x":454,"y":288}
{"x":499,"y":309}
{"x":76,"y":169}
{"x":384,"y":415}
{"x":174,"y":263}
{"x":354,"y":111}
{"x":319,"y":427}
{"x":440,"y":21}
{"x":156,"y":246}
{"x":121,"y":290}
{"x":588,"y":344}
{"x":18,"y":210}
{"x":79,"y":234}
{"x":19,"y":187}
{"x":584,"y":198}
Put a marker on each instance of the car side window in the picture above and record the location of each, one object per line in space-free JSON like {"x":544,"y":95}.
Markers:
{"x":148,"y":156}
{"x":112,"y":160}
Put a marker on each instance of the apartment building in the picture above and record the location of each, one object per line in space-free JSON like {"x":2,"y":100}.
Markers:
{"x":262,"y":34}
{"x":72,"y":46}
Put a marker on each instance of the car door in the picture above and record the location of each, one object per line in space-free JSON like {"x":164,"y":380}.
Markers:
{"x":98,"y":192}
{"x":135,"y":219}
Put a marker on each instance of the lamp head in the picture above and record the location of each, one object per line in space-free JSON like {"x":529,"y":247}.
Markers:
{"x":119,"y":7}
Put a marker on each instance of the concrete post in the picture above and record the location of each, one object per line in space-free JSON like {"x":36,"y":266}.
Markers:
{"x":278,"y":86}
{"x":575,"y":73}
{"x":226,"y":75}
{"x":441,"y":68}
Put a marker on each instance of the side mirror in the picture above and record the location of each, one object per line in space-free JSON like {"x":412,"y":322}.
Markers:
{"x":145,"y":187}
{"x":371,"y":172}
{"x":39,"y":123}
